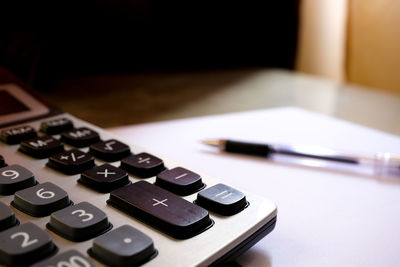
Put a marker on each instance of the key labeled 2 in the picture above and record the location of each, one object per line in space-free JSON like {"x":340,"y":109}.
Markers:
{"x":22,"y":245}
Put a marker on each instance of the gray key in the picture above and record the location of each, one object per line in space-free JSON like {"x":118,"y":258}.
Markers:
{"x":69,"y":258}
{"x":41,"y":200}
{"x":124,"y":246}
{"x":79,"y":222}
{"x":222,"y":199}
{"x":14,"y":178}
{"x":7,"y":217}
{"x":25,"y":244}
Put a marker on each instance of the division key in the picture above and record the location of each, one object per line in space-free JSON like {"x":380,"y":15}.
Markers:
{"x":161,"y":209}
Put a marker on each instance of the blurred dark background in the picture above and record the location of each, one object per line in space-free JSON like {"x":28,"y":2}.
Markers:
{"x":108,"y":37}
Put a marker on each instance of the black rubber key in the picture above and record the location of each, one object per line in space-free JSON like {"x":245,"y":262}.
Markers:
{"x":79,"y":222}
{"x":25,"y":244}
{"x":80,"y":137}
{"x":7,"y":217}
{"x":110,"y":150}
{"x":124,"y":246}
{"x":14,"y":178}
{"x":222,"y":199}
{"x":56,"y":126}
{"x":104,"y":178}
{"x":41,"y":147}
{"x":70,"y":258}
{"x":143,"y":165}
{"x":18,"y":134}
{"x":2,"y":162}
{"x":71,"y":162}
{"x":161,"y":209}
{"x":180,"y":181}
{"x":41,"y":200}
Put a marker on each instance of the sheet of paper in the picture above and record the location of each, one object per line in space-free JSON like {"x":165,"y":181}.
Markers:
{"x":325,"y":218}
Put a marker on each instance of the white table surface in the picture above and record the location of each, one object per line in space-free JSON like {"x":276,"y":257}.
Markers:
{"x":325,"y":218}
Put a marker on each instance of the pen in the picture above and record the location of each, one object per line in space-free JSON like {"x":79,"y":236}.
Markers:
{"x":382,"y":163}
{"x":266,"y":150}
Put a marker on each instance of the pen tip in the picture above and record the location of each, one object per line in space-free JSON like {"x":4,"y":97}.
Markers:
{"x":212,"y":142}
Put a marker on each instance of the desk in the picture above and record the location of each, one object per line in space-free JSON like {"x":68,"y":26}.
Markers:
{"x":325,"y":218}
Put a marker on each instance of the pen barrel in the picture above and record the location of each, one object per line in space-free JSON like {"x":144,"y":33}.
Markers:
{"x":260,"y":150}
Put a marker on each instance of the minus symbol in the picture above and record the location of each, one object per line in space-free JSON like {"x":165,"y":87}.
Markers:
{"x":180,"y":176}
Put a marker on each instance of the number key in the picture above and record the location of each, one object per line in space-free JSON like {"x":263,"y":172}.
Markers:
{"x":7,"y":217}
{"x":22,"y":245}
{"x":79,"y":222}
{"x":41,"y":200}
{"x":14,"y":178}
{"x":70,"y":258}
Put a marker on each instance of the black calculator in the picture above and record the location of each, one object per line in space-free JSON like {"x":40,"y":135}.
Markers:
{"x":73,"y":194}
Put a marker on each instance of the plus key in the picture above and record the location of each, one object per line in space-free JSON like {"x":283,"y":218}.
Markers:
{"x":161,"y":209}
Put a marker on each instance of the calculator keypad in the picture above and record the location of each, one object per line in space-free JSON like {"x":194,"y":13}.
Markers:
{"x":14,"y":178}
{"x":158,"y":205}
{"x":79,"y":222}
{"x":25,"y":244}
{"x":41,"y":200}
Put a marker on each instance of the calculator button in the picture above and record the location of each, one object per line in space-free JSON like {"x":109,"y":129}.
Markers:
{"x":179,"y":181}
{"x":2,"y":161}
{"x":25,"y":244}
{"x":41,"y":200}
{"x":79,"y":222}
{"x":71,"y":162}
{"x":56,"y":126}
{"x":222,"y":199}
{"x":124,"y":246}
{"x":70,"y":258}
{"x":104,"y":178}
{"x":41,"y":147}
{"x":110,"y":150}
{"x":18,"y":134}
{"x":14,"y":178}
{"x":80,"y":137}
{"x":161,"y":209}
{"x":7,"y":217}
{"x":143,"y":165}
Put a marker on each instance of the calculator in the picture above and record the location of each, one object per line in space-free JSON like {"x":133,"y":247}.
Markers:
{"x":73,"y":194}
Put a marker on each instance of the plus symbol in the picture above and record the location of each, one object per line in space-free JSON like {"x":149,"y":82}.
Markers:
{"x":105,"y":173}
